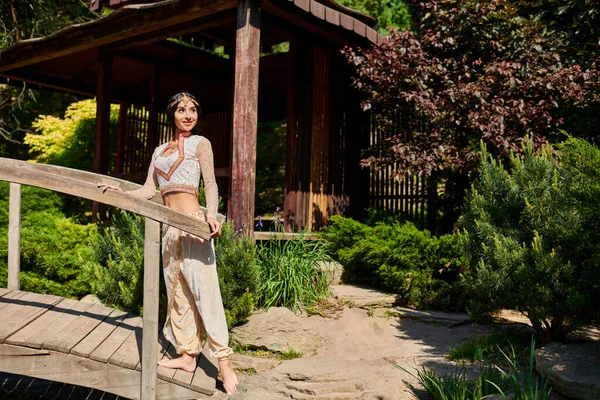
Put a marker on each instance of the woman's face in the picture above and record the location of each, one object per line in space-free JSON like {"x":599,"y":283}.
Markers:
{"x":186,"y":116}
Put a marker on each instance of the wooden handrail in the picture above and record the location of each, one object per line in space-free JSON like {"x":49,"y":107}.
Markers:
{"x":84,"y":184}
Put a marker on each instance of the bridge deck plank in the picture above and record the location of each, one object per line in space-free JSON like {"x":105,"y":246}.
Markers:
{"x":30,"y":334}
{"x":94,"y":335}
{"x":128,"y":354}
{"x":10,"y":298}
{"x":23,"y":311}
{"x":50,"y":333}
{"x":115,"y":339}
{"x":98,"y":335}
{"x":79,"y":328}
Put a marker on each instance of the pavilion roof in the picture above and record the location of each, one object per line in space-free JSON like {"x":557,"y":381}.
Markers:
{"x":135,"y":34}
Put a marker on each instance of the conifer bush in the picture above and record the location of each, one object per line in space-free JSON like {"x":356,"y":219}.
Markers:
{"x":116,"y":274}
{"x":422,"y":269}
{"x":53,"y":247}
{"x":531,"y":234}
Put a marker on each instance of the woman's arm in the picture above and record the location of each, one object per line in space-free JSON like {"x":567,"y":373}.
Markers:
{"x":149,"y":189}
{"x":207,"y":166}
{"x":145,"y":192}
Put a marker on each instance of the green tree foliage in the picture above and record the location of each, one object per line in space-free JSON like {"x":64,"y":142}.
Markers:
{"x":53,"y":247}
{"x":116,"y":274}
{"x":532,"y":234}
{"x":422,"y":269}
{"x":68,"y":141}
{"x":20,"y":20}
{"x":389,"y":13}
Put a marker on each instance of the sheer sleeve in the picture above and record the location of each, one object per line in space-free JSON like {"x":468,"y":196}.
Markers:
{"x":207,"y":166}
{"x":149,"y":189}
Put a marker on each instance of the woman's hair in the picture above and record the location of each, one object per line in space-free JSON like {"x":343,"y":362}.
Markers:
{"x":172,"y":107}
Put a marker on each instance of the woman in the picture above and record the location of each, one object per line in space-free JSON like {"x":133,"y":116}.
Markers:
{"x":195,"y":305}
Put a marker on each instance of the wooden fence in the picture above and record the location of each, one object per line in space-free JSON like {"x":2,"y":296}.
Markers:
{"x":409,"y":198}
{"x":84,"y":184}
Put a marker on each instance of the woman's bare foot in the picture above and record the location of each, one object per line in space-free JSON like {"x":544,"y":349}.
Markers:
{"x":230,"y":380}
{"x":185,"y":362}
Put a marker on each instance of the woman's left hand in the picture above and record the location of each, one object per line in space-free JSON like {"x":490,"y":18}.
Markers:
{"x":215,"y":226}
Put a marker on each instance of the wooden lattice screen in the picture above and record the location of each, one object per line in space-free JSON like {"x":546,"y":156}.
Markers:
{"x":407,"y":198}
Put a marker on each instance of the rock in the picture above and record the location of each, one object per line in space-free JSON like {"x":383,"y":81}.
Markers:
{"x":333,"y":269}
{"x":277,"y":329}
{"x":90,"y":298}
{"x":363,"y":296}
{"x":259,"y":364}
{"x":431,"y":316}
{"x":573,"y":370}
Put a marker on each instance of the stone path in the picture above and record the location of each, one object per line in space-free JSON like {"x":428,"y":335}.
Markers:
{"x":358,"y":349}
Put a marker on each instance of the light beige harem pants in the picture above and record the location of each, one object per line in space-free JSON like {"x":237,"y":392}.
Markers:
{"x":194,"y":297}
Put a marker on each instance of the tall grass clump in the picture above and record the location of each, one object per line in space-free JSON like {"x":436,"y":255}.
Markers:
{"x":510,"y":382}
{"x":289,"y":272}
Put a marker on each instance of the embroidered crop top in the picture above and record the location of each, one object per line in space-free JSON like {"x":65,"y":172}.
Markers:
{"x":180,"y":171}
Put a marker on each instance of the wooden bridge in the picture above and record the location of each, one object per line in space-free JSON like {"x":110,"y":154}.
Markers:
{"x":86,"y":344}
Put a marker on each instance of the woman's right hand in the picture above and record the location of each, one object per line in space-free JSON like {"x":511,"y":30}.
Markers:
{"x":105,"y":186}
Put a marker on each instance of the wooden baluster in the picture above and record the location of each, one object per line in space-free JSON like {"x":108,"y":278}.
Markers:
{"x":150,"y":333}
{"x":14,"y":237}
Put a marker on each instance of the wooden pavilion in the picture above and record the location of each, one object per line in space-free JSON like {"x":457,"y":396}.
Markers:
{"x":129,"y":58}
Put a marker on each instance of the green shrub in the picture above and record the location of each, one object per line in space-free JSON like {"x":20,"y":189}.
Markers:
{"x":116,"y":275}
{"x":238,"y":274}
{"x":53,"y":247}
{"x":532,"y":233}
{"x":289,"y":272}
{"x":422,"y":269}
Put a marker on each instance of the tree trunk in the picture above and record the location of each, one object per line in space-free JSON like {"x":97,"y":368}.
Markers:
{"x":13,"y":12}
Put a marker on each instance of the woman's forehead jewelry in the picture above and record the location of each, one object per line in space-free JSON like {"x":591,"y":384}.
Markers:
{"x":183,"y":99}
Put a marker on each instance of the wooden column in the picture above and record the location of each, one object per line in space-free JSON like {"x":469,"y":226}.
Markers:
{"x":245,"y":105}
{"x":14,"y":237}
{"x":103,"y":96}
{"x":153,"y":138}
{"x":121,"y":132}
{"x":291,"y":147}
{"x":150,"y":317}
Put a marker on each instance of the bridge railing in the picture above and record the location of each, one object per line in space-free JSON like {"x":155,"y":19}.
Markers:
{"x":84,"y":184}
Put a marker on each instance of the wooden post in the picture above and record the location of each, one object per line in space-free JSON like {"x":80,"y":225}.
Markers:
{"x":121,"y":132}
{"x":150,"y":332}
{"x":103,"y":96}
{"x":291,"y":148}
{"x":245,"y":105}
{"x":153,"y":138}
{"x":14,"y":236}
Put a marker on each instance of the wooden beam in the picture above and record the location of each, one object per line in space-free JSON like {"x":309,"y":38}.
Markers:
{"x":126,"y":23}
{"x":151,"y":295}
{"x":222,"y":18}
{"x":245,"y":106}
{"x":14,"y":237}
